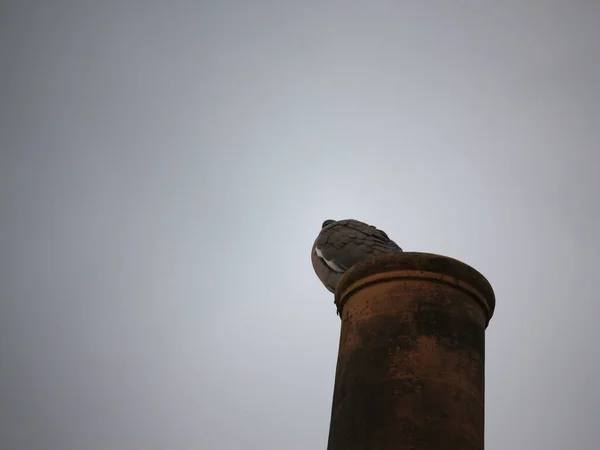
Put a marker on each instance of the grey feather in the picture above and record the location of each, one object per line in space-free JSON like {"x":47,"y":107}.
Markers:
{"x":344,"y":243}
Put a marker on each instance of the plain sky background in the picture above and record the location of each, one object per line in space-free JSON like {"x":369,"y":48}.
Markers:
{"x":166,"y":166}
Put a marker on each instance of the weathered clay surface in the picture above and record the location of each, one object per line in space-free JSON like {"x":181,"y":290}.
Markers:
{"x":410,"y":371}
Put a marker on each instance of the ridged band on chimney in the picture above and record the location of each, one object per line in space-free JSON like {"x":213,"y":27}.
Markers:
{"x":410,"y":369}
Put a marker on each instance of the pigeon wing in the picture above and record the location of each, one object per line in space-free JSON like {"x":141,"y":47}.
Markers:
{"x":349,"y":242}
{"x":328,"y":277}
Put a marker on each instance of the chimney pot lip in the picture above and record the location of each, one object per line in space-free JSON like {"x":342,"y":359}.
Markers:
{"x":415,"y":262}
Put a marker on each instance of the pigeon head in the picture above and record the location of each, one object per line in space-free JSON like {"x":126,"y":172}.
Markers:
{"x":327,"y":222}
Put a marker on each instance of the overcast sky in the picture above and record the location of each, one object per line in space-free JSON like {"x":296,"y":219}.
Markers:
{"x":166,"y":167}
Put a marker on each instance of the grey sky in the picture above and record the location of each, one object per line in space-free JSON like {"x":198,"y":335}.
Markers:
{"x":166,"y":167}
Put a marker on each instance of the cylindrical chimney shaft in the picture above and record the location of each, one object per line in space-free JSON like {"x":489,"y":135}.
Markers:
{"x":410,"y":369}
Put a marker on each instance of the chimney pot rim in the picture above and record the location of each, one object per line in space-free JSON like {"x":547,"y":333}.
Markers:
{"x":414,"y":262}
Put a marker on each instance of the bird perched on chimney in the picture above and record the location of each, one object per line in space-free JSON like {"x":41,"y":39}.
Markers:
{"x":343,"y":243}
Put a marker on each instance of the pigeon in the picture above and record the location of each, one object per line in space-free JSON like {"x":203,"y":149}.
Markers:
{"x":344,"y":243}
